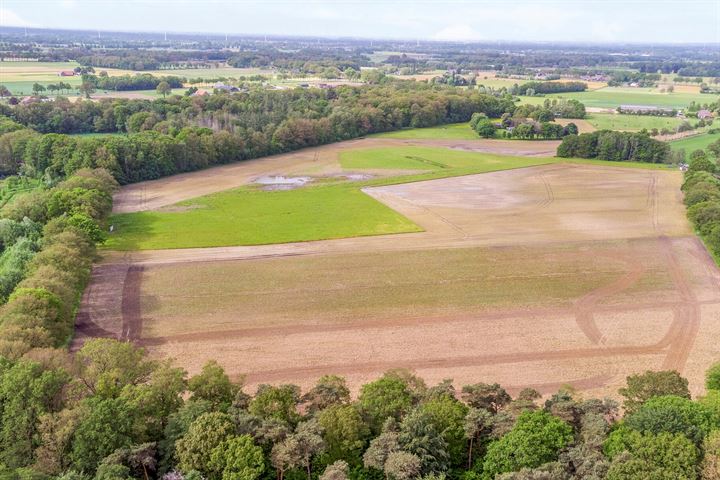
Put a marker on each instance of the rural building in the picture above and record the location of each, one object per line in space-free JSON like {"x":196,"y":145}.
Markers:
{"x":200,"y":93}
{"x":66,"y":73}
{"x":704,"y":114}
{"x":644,"y":109}
{"x":226,"y":88}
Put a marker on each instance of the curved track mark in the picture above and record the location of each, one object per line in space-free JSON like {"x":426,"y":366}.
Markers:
{"x":453,"y":362}
{"x":131,"y":314}
{"x":687,"y":317}
{"x":584,"y":307}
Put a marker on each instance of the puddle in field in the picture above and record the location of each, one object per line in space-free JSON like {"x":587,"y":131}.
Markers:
{"x":279,"y":182}
{"x":357,"y":176}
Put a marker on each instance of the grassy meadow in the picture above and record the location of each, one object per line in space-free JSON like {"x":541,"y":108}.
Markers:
{"x":451,"y":131}
{"x":19,"y":77}
{"x":248,"y":216}
{"x":431,"y":158}
{"x":251,"y":216}
{"x":631,"y":123}
{"x":696,"y":142}
{"x":613,"y":97}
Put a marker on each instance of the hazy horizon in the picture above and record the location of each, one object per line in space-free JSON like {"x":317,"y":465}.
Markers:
{"x":586,"y":21}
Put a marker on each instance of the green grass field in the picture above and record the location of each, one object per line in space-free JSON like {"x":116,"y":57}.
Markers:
{"x":612,"y":97}
{"x":697,"y":142}
{"x":19,"y":77}
{"x":610,"y":121}
{"x":249,"y":216}
{"x":429,"y":158}
{"x":451,"y":131}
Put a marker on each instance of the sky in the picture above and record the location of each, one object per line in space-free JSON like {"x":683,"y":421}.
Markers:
{"x":604,"y":21}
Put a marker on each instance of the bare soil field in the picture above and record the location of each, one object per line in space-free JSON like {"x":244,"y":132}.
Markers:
{"x":318,"y":161}
{"x":583,"y":125}
{"x":533,"y":277}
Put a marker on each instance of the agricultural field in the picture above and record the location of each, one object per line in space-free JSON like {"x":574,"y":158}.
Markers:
{"x":572,"y":272}
{"x":253,"y":216}
{"x":452,"y":131}
{"x":462,"y":131}
{"x":631,"y":123}
{"x":613,"y":97}
{"x":19,"y":77}
{"x":696,"y":142}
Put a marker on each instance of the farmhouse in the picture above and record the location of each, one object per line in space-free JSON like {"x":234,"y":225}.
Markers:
{"x":704,"y":114}
{"x":66,"y":73}
{"x":226,"y":88}
{"x":28,"y":100}
{"x":645,"y":109}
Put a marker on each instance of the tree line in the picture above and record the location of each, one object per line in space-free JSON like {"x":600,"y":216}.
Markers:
{"x":181,"y":134}
{"x":143,"y":81}
{"x":535,"y":88}
{"x":615,"y":146}
{"x":110,"y":413}
{"x":49,"y":235}
{"x":702,"y":195}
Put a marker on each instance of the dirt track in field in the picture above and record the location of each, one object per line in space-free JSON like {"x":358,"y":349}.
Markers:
{"x":654,"y":303}
{"x":154,"y":194}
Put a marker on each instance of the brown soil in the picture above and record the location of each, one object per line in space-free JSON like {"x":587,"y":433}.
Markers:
{"x":656,"y":288}
{"x":318,"y":161}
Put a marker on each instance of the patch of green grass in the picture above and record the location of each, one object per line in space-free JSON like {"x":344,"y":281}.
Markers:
{"x":696,"y":142}
{"x":612,"y":97}
{"x":607,"y":163}
{"x":610,"y":121}
{"x":248,"y":216}
{"x":11,"y":186}
{"x":431,"y":158}
{"x":451,"y":131}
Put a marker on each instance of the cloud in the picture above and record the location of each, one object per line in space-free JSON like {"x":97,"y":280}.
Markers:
{"x":458,"y":33}
{"x":8,"y":18}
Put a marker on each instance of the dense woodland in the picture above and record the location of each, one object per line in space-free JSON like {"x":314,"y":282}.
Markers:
{"x":108,"y":412}
{"x":181,"y":134}
{"x":615,"y":146}
{"x":702,"y":195}
{"x":132,"y":82}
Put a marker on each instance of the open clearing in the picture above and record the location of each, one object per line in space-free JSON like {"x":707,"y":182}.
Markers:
{"x":696,"y":142}
{"x":613,"y":97}
{"x":452,"y":131}
{"x":539,"y":276}
{"x":317,"y":208}
{"x":632,"y":123}
{"x":318,"y":161}
{"x":19,"y":77}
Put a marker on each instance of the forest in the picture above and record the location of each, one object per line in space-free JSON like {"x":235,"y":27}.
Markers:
{"x":181,"y":134}
{"x":615,"y":146}
{"x":702,"y":195}
{"x":109,"y":412}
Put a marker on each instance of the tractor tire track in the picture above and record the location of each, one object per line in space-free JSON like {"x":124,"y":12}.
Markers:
{"x":586,"y":305}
